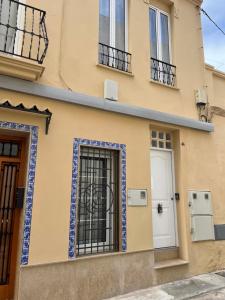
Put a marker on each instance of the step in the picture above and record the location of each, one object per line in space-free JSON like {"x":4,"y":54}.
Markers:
{"x":170,"y":263}
{"x":166,"y":254}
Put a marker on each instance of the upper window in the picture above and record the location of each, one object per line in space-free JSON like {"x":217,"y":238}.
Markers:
{"x":113,"y":34}
{"x":159,"y":35}
{"x":161,"y":68}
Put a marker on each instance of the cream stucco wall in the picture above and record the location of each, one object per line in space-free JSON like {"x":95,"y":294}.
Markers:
{"x":199,"y":157}
{"x":73,"y":53}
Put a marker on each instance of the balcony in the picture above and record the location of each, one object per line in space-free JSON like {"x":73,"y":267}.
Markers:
{"x":23,"y":35}
{"x":163,"y":72}
{"x":114,"y":58}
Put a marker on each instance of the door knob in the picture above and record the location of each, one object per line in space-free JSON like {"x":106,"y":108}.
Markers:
{"x":160,"y":208}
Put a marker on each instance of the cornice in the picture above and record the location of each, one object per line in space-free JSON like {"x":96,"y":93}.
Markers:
{"x":196,"y":2}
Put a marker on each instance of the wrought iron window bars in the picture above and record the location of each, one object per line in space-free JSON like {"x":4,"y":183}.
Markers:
{"x":163,"y":72}
{"x":98,"y":212}
{"x":114,"y":58}
{"x":34,"y":110}
{"x":23,"y":30}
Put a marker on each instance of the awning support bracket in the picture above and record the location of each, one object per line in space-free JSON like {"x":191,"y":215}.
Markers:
{"x":33,"y":110}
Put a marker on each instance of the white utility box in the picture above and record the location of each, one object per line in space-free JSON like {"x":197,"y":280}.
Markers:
{"x":137,"y":197}
{"x":202,"y":228}
{"x":200,"y":203}
{"x":201,"y":96}
{"x":110,"y":90}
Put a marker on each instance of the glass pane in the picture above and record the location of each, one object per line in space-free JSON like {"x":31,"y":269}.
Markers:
{"x":154,"y":143}
{"x":154,"y":134}
{"x":161,"y":135}
{"x":6,"y":150}
{"x":168,"y":137}
{"x":84,"y":232}
{"x":14,"y":150}
{"x":168,"y":145}
{"x":165,"y":38}
{"x":104,"y":22}
{"x":98,"y":231}
{"x":1,"y":148}
{"x":153,"y":33}
{"x":8,"y":17}
{"x":161,"y":144}
{"x":120,"y":25}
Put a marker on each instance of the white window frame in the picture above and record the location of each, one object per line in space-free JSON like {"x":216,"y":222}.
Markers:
{"x":158,"y":32}
{"x":112,"y":17}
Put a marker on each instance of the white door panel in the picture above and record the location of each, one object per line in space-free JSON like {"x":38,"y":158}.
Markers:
{"x":164,"y":223}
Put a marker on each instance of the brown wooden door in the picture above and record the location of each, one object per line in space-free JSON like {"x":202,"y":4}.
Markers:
{"x":11,"y":177}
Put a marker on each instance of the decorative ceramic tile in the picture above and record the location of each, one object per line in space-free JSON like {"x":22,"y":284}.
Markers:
{"x":33,"y":130}
{"x":76,"y":145}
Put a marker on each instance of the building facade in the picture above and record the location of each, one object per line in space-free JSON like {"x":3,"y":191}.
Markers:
{"x":111,"y":148}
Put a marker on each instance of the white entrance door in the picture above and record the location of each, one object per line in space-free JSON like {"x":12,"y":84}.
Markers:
{"x":163,"y":202}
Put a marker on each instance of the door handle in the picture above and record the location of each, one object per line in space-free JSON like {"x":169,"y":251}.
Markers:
{"x":160,"y":208}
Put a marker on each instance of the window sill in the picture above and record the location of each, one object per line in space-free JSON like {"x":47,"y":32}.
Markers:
{"x":110,"y":254}
{"x":19,"y":68}
{"x":115,"y":70}
{"x":163,"y":84}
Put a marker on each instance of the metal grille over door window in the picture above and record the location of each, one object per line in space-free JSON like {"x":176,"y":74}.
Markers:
{"x":98,"y":201}
{"x":8,"y":177}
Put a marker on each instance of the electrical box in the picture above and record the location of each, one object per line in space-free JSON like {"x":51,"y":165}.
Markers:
{"x":202,"y":228}
{"x":137,"y":197}
{"x":111,"y":90}
{"x":200,"y":204}
{"x":201,"y":96}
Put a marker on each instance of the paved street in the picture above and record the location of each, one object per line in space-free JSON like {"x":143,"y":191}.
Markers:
{"x":220,"y":294}
{"x":203,"y":287}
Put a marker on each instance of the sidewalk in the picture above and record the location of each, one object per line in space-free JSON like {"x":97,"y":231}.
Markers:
{"x":203,"y":287}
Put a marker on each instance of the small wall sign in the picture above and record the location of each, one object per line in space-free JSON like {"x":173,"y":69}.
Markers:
{"x":137,"y":197}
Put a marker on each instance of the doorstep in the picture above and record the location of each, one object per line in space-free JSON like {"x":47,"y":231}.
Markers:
{"x":170,"y":263}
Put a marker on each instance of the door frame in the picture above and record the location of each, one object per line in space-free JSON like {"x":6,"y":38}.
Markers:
{"x":173,"y":188}
{"x":21,"y":161}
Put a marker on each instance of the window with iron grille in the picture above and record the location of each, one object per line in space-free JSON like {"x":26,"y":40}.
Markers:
{"x":98,"y":209}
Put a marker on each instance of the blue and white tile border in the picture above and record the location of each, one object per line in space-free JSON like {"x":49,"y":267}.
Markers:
{"x":107,"y":145}
{"x":33,"y":130}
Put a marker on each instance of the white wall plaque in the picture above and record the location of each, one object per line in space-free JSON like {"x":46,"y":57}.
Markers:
{"x":137,"y":197}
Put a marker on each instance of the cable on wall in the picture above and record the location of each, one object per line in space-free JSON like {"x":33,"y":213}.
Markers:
{"x":211,"y":20}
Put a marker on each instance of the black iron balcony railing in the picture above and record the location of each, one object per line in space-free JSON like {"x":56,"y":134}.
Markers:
{"x":23,"y":30}
{"x":163,"y":72}
{"x":114,"y":58}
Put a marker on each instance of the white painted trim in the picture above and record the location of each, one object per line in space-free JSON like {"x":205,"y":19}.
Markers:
{"x":158,"y":31}
{"x":161,"y":149}
{"x":112,"y":16}
{"x":126,"y":27}
{"x":20,"y":24}
{"x":173,"y":189}
{"x":174,"y":201}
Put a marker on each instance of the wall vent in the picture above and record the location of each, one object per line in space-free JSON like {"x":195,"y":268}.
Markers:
{"x":111,"y":90}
